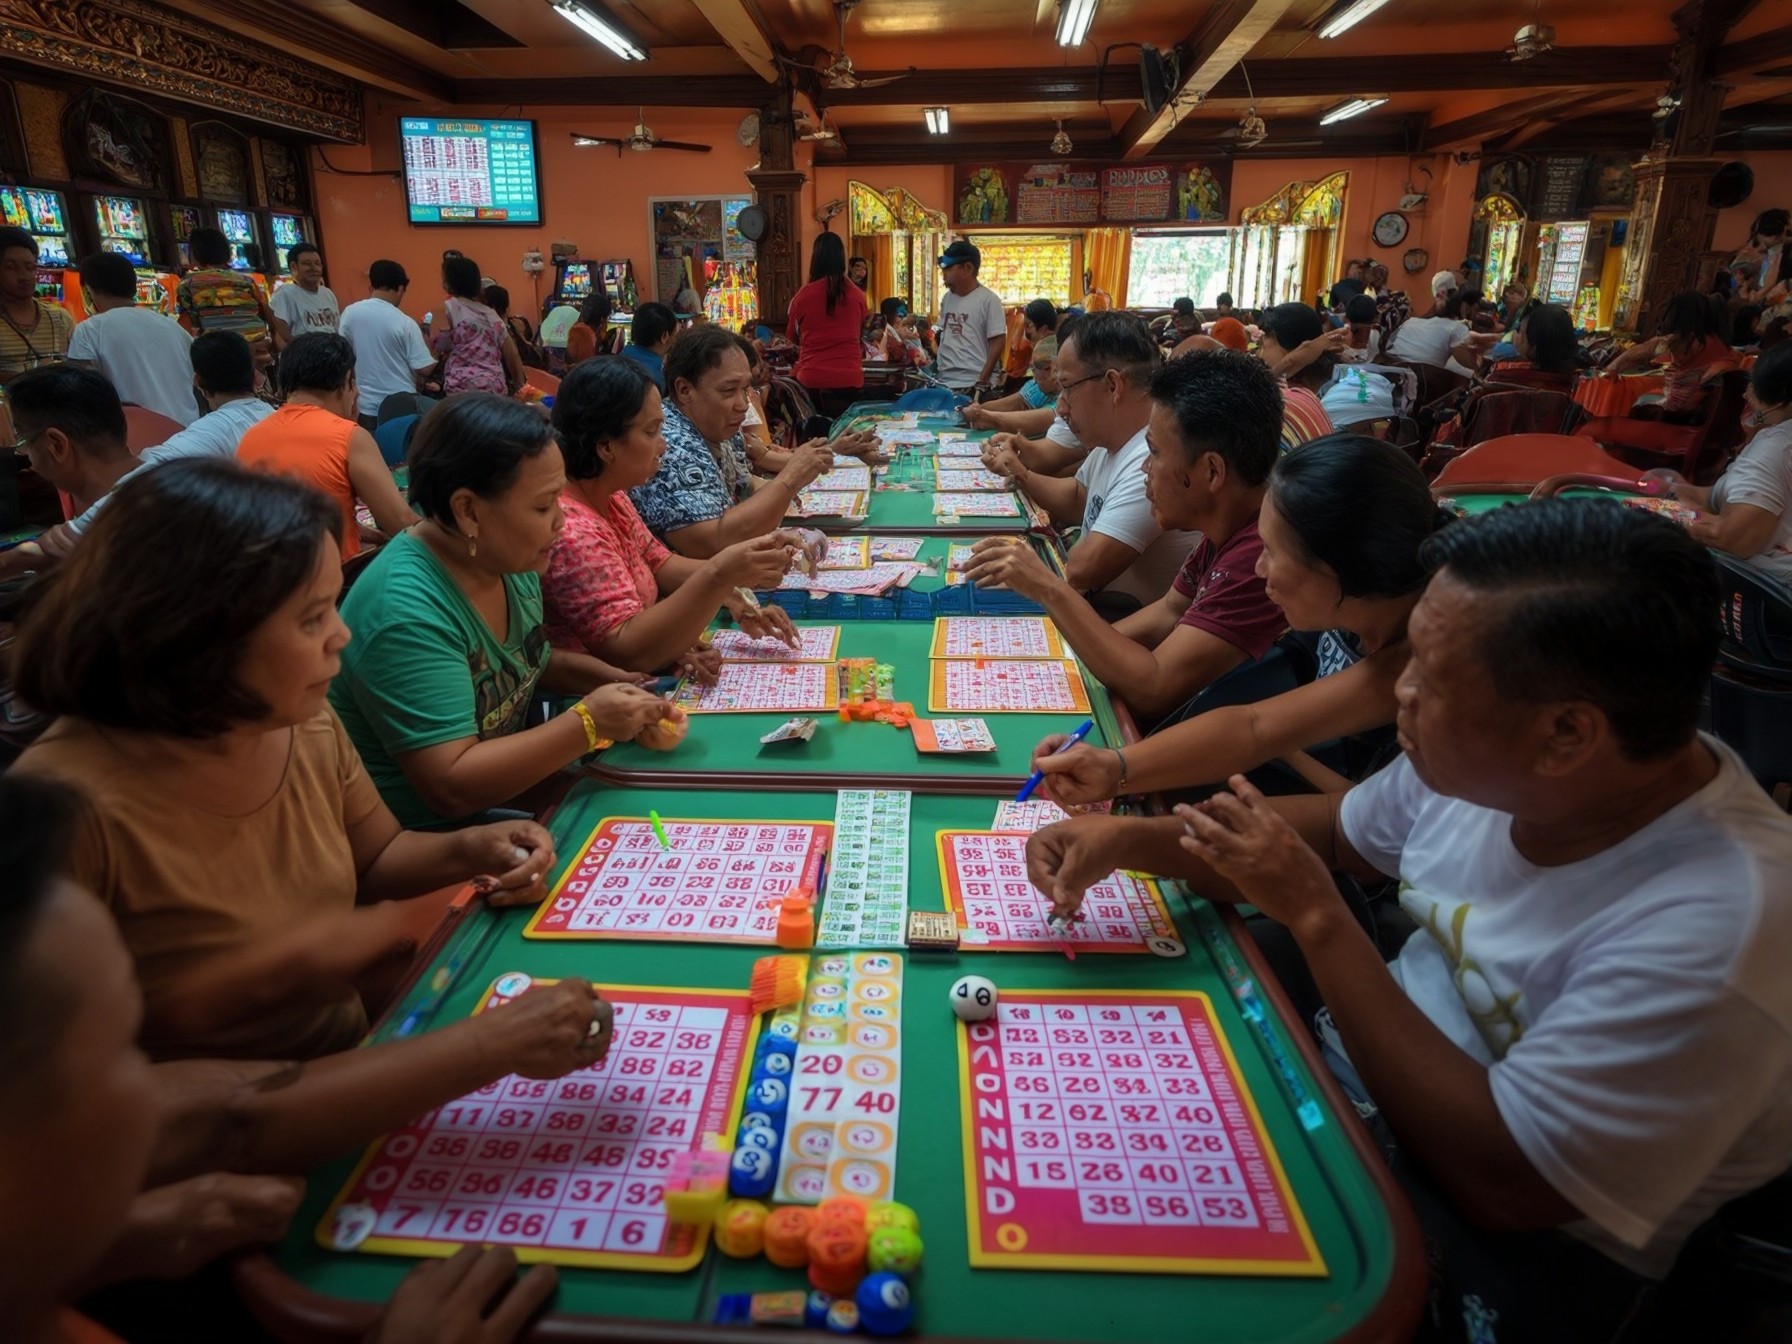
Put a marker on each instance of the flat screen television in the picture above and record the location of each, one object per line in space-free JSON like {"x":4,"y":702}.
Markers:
{"x":465,"y":171}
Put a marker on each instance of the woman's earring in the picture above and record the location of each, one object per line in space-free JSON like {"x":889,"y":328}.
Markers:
{"x":472,"y":547}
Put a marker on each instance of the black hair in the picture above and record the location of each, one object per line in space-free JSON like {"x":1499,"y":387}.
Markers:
{"x":891,"y":309}
{"x":1745,"y":327}
{"x":223,"y":362}
{"x":1224,"y":402}
{"x":1360,"y":309}
{"x":1688,"y":319}
{"x":476,"y":441}
{"x":145,"y":625}
{"x":387,"y":275}
{"x":461,"y":277}
{"x":1328,"y":487}
{"x":497,"y":298}
{"x":1114,"y":339}
{"x":82,"y":403}
{"x":1771,"y":378}
{"x":1549,"y":331}
{"x":1183,"y":307}
{"x":300,"y":249}
{"x":596,"y":402}
{"x":11,"y":237}
{"x":318,"y":361}
{"x":1463,"y":298}
{"x":1292,"y":324}
{"x":853,"y":261}
{"x":595,"y":311}
{"x":653,"y":323}
{"x":209,"y":247}
{"x":827,"y":261}
{"x":1224,"y":298}
{"x":1042,"y":313}
{"x":110,"y":274}
{"x":37,"y":828}
{"x":1602,"y":603}
{"x":1771,"y":221}
{"x":696,"y":351}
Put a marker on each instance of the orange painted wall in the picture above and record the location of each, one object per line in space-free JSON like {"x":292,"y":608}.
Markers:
{"x":1773,"y":173}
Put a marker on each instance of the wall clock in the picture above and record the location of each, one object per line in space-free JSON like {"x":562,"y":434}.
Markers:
{"x":1390,"y":229}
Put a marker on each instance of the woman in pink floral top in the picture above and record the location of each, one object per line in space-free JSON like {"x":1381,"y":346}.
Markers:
{"x":611,"y":589}
{"x":478,"y":352}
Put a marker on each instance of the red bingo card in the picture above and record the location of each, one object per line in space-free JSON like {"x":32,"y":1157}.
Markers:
{"x":713,"y":882}
{"x":1110,"y":1130}
{"x":572,"y":1171}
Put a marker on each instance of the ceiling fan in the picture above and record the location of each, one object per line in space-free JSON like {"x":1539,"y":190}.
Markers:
{"x":1251,"y":130}
{"x":641,"y":140}
{"x":820,"y":132}
{"x":839,"y":73}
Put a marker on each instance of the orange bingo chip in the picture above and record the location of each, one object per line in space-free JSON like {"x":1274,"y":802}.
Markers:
{"x":846,"y":1209}
{"x":787,"y":1236}
{"x":837,"y":1257}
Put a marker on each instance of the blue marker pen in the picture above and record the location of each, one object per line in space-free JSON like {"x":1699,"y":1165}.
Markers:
{"x":1026,"y":790}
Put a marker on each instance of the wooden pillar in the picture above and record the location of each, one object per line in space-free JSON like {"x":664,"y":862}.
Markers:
{"x":778,"y":185}
{"x":1672,"y":221}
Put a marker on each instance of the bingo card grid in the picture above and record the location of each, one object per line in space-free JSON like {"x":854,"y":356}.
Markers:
{"x":960,"y":503}
{"x":815,"y":644}
{"x":998,"y":909}
{"x":571,"y":1171}
{"x":720,"y":882}
{"x":749,"y":688}
{"x":1123,"y":1139}
{"x":968,"y":478}
{"x":995,"y":637}
{"x":1006,"y":686}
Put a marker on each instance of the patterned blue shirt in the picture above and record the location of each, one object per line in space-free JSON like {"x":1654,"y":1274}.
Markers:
{"x":1035,"y":396}
{"x":695,"y":482}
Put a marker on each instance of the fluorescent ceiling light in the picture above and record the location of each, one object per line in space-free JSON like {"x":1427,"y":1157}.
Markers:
{"x":1074,"y":18}
{"x":599,"y":27}
{"x":1348,"y":16}
{"x":939,"y":121}
{"x":1355,"y":107}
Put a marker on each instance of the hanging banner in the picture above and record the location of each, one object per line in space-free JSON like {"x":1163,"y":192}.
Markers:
{"x":1009,"y":194}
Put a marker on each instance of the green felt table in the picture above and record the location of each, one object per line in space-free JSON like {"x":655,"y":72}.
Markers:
{"x":1375,"y":1269}
{"x":725,"y":748}
{"x":936,"y":547}
{"x":1471,"y":502}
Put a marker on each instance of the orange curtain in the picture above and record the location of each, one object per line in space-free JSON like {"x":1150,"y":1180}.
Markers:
{"x":880,"y":254}
{"x":1108,"y":257}
{"x":1315,"y":265}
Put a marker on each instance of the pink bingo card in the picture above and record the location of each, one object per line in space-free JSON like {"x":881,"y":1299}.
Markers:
{"x":999,"y":910}
{"x":1110,"y":1130}
{"x":719,"y":882}
{"x":570,"y":1171}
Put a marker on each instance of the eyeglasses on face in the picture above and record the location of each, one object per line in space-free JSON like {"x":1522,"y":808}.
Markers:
{"x":1078,"y":382}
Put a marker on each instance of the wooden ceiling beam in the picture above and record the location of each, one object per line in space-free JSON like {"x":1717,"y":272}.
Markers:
{"x":1757,"y":53}
{"x":743,"y":91}
{"x":737,"y":26}
{"x":1228,"y":32}
{"x":326,"y":44}
{"x":1495,"y":121}
{"x":1609,"y":100}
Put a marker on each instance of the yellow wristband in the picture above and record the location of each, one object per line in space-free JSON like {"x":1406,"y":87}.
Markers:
{"x":592,"y":739}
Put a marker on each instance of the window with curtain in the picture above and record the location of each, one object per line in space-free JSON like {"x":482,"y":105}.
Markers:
{"x":1168,"y":266}
{"x":1022,"y":267}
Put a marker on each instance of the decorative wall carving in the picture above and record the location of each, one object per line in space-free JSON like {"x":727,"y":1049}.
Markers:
{"x":147,"y":47}
{"x":188,"y":185}
{"x":284,"y":172}
{"x":115,"y":140}
{"x":223,"y":158}
{"x":40,"y":120}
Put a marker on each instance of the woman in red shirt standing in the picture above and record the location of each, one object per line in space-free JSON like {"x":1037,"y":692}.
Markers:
{"x":825,"y":320}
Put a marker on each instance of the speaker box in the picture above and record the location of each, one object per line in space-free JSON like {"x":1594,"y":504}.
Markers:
{"x":1154,"y":81}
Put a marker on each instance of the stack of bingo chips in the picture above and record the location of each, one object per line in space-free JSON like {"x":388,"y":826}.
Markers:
{"x":754,"y":1169}
{"x":859,"y":1257}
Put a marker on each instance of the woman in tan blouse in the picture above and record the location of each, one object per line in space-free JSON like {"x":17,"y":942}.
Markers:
{"x":229,"y":826}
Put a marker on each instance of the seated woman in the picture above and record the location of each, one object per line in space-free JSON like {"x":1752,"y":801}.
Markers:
{"x":1747,"y":512}
{"x":610,"y":588}
{"x":1328,"y":573}
{"x":1694,"y":350}
{"x":449,"y":650}
{"x":703,"y":498}
{"x":317,"y":437}
{"x":1296,"y":346}
{"x":1545,"y":343}
{"x":477,"y":351}
{"x":588,"y":337}
{"x":1029,"y":411}
{"x":226,"y":811}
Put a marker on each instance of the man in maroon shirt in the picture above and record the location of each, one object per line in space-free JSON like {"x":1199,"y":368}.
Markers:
{"x":1215,"y":430}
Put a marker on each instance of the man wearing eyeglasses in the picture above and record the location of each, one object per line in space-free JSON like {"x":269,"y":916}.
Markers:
{"x":973,"y":328}
{"x":71,"y":432}
{"x":1124,"y":558}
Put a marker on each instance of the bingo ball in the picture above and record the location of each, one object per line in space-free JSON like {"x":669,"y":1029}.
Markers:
{"x":894,"y":1250}
{"x":885,"y":1305}
{"x":740,"y":1228}
{"x":888,"y":1213}
{"x":768,"y":1094}
{"x":973,"y":998}
{"x":842,"y":1317}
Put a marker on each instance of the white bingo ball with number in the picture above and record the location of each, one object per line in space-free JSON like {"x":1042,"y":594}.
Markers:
{"x":973,"y":998}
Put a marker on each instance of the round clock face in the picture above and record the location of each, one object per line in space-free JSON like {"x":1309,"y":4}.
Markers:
{"x":1390,"y":228}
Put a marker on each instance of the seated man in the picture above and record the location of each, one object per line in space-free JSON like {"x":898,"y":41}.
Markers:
{"x":649,"y":337}
{"x":71,"y":428}
{"x":1030,"y":410}
{"x":1215,"y":430}
{"x":1586,"y":1047}
{"x":1104,"y":367}
{"x":224,"y":377}
{"x":118,"y":1170}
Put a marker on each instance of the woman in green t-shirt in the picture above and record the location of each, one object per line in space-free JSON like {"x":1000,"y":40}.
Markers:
{"x":448,"y":648}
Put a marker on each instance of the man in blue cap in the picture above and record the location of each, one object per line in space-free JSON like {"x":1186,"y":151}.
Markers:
{"x":972,"y":327}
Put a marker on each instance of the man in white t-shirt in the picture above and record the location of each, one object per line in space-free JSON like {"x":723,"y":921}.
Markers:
{"x":142,"y":353}
{"x":307,"y":304}
{"x":1585,"y":1049}
{"x":1124,"y":556}
{"x":973,"y":328}
{"x":391,"y":355}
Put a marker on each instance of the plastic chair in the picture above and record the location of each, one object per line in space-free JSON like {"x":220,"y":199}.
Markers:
{"x":144,"y":428}
{"x":1685,"y":448}
{"x":1751,"y":687}
{"x":1522,"y":460}
{"x":930,"y":399}
{"x":394,"y":438}
{"x":542,"y":380}
{"x":404,"y":403}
